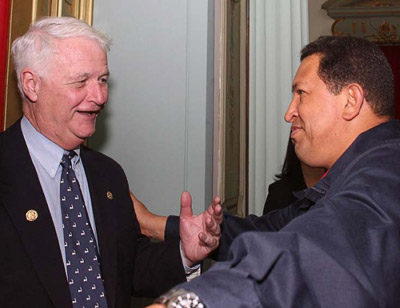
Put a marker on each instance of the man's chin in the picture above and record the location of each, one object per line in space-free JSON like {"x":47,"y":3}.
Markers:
{"x":81,"y":138}
{"x":84,"y":138}
{"x":85,"y":132}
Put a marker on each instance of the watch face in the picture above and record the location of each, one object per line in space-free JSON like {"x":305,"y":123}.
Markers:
{"x":188,"y":300}
{"x":180,"y":298}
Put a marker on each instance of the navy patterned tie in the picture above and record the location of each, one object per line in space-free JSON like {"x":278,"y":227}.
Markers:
{"x":83,"y":268}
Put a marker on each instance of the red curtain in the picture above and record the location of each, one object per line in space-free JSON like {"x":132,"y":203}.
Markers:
{"x":4,"y":27}
{"x":392,"y":53}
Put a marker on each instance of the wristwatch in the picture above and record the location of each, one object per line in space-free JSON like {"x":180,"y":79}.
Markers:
{"x":180,"y":298}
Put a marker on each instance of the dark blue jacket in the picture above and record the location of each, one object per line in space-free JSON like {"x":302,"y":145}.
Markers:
{"x":337,"y":246}
{"x":32,"y":272}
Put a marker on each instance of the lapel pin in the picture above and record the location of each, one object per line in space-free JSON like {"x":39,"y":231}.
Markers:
{"x":31,"y":215}
{"x":110,"y":195}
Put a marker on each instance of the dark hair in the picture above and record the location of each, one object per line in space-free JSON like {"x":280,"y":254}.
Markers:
{"x":347,"y":59}
{"x":291,"y":164}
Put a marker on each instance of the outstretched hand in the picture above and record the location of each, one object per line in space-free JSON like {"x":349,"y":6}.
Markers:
{"x":199,"y":234}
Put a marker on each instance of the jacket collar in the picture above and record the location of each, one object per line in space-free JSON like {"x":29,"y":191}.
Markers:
{"x":371,"y":138}
{"x":365,"y":142}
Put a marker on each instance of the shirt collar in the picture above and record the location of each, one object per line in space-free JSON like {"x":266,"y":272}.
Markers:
{"x":45,"y":151}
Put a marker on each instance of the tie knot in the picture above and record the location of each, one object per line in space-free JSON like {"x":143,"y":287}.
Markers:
{"x":67,"y":158}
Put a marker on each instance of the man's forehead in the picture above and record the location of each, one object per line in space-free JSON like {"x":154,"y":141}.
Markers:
{"x":77,"y":45}
{"x":85,"y":54}
{"x":310,"y":63}
{"x":307,"y":71}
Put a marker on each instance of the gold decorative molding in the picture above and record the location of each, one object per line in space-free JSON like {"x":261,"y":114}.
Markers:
{"x":376,"y":20}
{"x":82,"y":9}
{"x":375,"y":3}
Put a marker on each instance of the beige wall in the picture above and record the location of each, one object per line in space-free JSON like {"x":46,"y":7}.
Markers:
{"x":320,"y":23}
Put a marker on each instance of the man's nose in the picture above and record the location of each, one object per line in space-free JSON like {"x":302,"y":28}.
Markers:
{"x":291,"y":112}
{"x":98,"y":93}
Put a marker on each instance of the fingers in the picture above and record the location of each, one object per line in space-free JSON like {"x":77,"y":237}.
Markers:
{"x":207,"y":240}
{"x":216,"y":204}
{"x":212,"y":227}
{"x":215,"y":210}
{"x":186,"y":205}
{"x":218,"y":213}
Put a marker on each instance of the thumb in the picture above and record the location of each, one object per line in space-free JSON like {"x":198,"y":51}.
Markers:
{"x":186,"y":205}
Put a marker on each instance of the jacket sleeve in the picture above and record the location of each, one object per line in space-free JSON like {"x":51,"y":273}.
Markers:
{"x":232,"y":226}
{"x":342,"y":253}
{"x":172,"y":228}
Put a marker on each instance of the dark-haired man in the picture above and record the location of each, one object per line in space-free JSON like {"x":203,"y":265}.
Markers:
{"x":338,"y":245}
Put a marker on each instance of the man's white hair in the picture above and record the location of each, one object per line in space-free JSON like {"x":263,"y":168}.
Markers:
{"x":36,"y":46}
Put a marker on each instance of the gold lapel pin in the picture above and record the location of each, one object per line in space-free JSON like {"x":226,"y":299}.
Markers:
{"x":110,"y":195}
{"x":31,"y":215}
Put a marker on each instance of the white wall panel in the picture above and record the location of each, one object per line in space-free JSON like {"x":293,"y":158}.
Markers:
{"x":157,"y":123}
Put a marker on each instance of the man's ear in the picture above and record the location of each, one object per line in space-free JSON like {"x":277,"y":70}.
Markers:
{"x":30,"y":84}
{"x":354,"y":94}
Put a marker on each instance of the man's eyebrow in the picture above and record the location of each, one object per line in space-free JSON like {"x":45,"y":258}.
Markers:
{"x":76,"y":79}
{"x":294,"y":87}
{"x":79,"y":76}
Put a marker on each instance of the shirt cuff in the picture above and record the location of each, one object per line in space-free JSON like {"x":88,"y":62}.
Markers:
{"x":189,"y":270}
